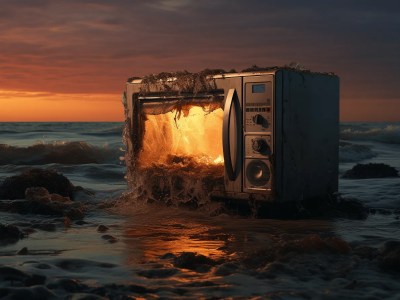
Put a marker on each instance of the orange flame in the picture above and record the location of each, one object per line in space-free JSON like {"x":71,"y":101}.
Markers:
{"x":197,"y":134}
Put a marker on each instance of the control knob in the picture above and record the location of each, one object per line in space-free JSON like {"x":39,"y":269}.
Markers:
{"x":260,"y":145}
{"x":260,"y":120}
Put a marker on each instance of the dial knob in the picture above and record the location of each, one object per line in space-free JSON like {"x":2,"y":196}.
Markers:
{"x":260,"y":145}
{"x":260,"y":120}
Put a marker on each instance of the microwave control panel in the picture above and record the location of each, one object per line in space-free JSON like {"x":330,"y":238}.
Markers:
{"x":258,"y":108}
{"x":258,"y":146}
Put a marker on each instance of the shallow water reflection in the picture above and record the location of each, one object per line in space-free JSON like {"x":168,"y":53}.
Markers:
{"x":152,"y":234}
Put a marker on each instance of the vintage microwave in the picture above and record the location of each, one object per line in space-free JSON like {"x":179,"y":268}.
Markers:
{"x":275,"y":133}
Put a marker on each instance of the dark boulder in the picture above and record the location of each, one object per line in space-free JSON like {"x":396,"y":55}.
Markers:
{"x":371,"y":170}
{"x":14,"y":187}
{"x":10,"y":234}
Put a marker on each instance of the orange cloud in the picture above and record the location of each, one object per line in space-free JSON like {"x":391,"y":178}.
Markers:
{"x":370,"y":110}
{"x":17,"y":106}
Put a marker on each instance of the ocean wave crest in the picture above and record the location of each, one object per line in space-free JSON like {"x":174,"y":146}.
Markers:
{"x":352,"y":152}
{"x":383,"y":133}
{"x":68,"y":153}
{"x":117,"y":130}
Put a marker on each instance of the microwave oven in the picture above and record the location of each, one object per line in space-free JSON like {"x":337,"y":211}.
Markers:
{"x":278,"y":130}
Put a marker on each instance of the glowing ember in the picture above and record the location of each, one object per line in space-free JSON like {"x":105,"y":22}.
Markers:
{"x":219,"y":160}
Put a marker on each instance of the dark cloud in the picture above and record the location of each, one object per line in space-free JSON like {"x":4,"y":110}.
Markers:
{"x":93,"y":46}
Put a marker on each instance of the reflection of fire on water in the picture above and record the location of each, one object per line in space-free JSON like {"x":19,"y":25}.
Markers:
{"x":181,"y":159}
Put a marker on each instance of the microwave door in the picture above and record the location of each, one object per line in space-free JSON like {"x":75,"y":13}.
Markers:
{"x":231,"y":135}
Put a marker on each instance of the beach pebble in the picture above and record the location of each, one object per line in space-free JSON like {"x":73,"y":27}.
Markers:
{"x":23,"y":251}
{"x":14,"y":187}
{"x":109,"y":238}
{"x":102,"y":228}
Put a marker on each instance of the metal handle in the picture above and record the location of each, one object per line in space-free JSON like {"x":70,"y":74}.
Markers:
{"x":231,"y":103}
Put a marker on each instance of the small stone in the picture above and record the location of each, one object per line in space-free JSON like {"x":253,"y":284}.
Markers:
{"x":23,"y":251}
{"x":102,"y":228}
{"x":109,"y":238}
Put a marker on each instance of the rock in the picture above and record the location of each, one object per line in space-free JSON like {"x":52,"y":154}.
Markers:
{"x":109,"y":238}
{"x":14,"y":187}
{"x":102,"y":228}
{"x":371,"y":170}
{"x":40,"y":201}
{"x":74,"y":213}
{"x":389,"y":256}
{"x":193,"y":261}
{"x":42,"y":194}
{"x":10,"y":234}
{"x":36,"y":193}
{"x":23,"y":251}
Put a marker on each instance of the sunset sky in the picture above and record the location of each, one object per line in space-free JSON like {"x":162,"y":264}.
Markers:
{"x":67,"y":60}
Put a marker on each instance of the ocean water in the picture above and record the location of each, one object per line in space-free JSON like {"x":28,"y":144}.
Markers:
{"x":244,"y":257}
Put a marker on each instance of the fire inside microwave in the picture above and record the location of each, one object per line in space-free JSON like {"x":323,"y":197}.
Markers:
{"x":267,"y":136}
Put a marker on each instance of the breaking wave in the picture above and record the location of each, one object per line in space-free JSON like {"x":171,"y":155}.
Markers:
{"x":68,"y":153}
{"x":385,"y":133}
{"x":117,"y":130}
{"x":349,"y":152}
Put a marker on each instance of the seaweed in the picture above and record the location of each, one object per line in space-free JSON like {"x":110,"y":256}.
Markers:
{"x":203,"y":81}
{"x":180,"y":81}
{"x":293,"y":66}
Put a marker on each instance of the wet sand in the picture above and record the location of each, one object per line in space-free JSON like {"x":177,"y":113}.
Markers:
{"x":152,"y":251}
